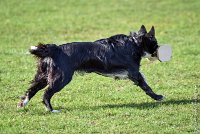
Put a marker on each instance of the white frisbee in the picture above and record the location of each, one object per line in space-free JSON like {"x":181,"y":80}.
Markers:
{"x":164,"y":53}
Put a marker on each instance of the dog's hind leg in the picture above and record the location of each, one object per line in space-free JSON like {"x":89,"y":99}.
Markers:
{"x":55,"y":86}
{"x":139,"y":80}
{"x":37,"y":84}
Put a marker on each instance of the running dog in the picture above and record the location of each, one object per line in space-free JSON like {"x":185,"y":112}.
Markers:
{"x":118,"y":56}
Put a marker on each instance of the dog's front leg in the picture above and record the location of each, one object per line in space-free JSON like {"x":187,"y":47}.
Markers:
{"x":140,"y":81}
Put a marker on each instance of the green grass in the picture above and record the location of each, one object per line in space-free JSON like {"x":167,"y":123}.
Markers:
{"x":92,"y":103}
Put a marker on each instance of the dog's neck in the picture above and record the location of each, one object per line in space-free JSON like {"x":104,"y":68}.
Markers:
{"x":140,"y":44}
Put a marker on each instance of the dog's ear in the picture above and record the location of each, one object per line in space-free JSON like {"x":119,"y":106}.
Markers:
{"x":152,"y":31}
{"x":142,"y":30}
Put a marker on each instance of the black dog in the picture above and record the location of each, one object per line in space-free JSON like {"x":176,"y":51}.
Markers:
{"x":118,"y":56}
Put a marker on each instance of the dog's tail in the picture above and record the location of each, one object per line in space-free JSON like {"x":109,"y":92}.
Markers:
{"x":42,"y":50}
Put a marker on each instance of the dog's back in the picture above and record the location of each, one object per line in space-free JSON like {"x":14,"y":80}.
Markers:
{"x":103,"y":55}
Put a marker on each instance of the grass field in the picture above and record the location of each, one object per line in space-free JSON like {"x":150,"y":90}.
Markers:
{"x":92,"y":103}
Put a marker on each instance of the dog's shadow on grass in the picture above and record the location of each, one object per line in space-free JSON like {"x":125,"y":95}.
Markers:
{"x":141,"y":106}
{"x":149,"y":105}
{"x":144,"y":105}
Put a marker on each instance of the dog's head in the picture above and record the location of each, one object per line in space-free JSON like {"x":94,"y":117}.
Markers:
{"x":148,"y":42}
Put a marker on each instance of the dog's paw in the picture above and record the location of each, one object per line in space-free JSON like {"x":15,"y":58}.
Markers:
{"x":55,"y":111}
{"x":20,"y":104}
{"x":24,"y":101}
{"x":160,"y":97}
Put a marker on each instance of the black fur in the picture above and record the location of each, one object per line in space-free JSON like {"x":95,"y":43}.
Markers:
{"x":119,"y":53}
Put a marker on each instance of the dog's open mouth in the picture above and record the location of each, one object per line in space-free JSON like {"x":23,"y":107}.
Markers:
{"x":163,"y":54}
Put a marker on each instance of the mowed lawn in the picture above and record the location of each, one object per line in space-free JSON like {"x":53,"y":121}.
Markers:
{"x":93,"y":103}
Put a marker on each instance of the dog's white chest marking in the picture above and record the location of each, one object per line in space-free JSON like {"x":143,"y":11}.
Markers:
{"x":147,"y":55}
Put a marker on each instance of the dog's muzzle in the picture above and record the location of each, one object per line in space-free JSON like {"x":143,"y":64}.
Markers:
{"x":163,"y":54}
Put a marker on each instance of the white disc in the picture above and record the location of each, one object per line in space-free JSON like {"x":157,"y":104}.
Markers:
{"x":164,"y":53}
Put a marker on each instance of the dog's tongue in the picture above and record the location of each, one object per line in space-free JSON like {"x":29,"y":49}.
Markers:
{"x":164,"y":53}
